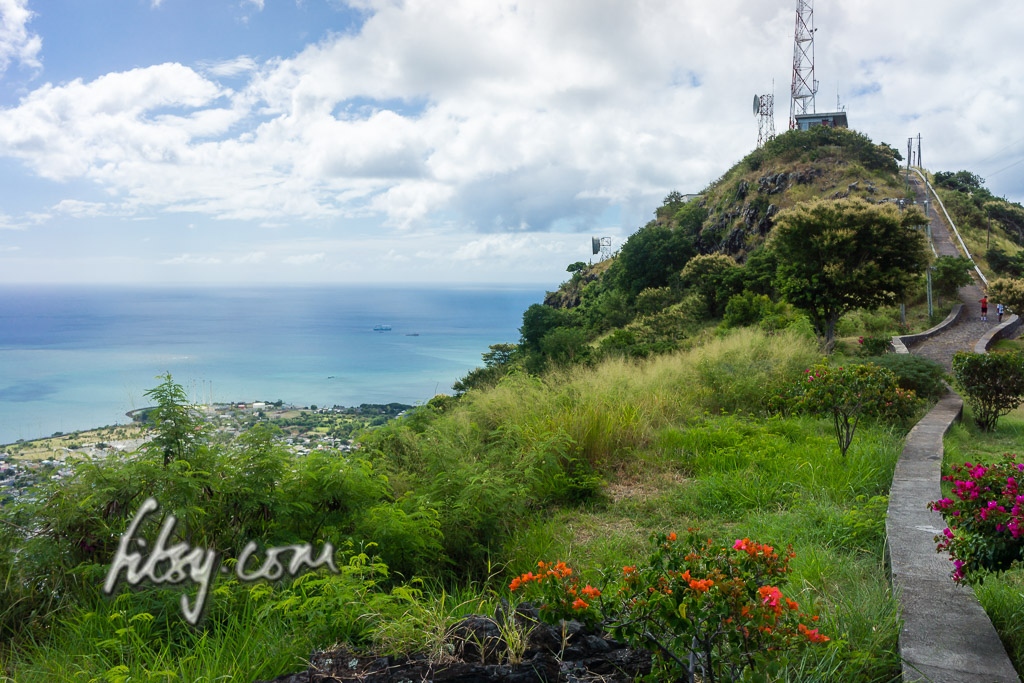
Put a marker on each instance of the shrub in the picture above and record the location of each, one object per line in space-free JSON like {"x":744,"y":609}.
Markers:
{"x":921,"y":375}
{"x":986,"y":521}
{"x":654,"y":299}
{"x":847,"y":393}
{"x":993,"y":383}
{"x":1008,"y":292}
{"x":707,"y":612}
{"x":873,"y":346}
{"x":748,"y":308}
{"x":951,"y":273}
{"x":1011,"y":265}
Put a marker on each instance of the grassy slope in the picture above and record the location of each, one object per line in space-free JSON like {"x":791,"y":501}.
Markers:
{"x":657,"y":435}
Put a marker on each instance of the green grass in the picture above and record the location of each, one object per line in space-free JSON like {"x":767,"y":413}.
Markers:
{"x":779,"y":481}
{"x":1001,"y":595}
{"x":665,"y":444}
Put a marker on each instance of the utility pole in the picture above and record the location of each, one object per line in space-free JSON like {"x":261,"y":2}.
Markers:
{"x":919,"y":164}
{"x":909,"y":153}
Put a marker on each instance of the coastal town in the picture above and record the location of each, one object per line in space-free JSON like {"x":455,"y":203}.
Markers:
{"x":303,"y":429}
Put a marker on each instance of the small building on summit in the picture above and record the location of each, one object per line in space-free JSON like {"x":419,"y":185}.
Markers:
{"x":834,"y":119}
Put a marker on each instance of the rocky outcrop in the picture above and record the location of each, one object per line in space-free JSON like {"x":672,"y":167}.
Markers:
{"x":570,"y":653}
{"x":570,"y":293}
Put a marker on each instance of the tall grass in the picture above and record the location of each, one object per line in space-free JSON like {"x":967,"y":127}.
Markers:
{"x":620,"y":404}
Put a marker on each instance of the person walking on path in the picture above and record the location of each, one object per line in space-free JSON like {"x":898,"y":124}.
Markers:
{"x":984,"y":307}
{"x":999,"y":311}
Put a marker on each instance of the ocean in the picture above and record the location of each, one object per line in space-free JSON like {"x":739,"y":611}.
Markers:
{"x":75,"y":357}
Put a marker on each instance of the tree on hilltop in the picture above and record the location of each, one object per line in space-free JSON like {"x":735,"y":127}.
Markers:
{"x":838,"y":255}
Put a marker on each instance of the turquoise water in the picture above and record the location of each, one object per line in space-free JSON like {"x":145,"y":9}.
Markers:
{"x":75,"y":357}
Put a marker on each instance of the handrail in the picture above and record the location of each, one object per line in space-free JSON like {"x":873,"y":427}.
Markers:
{"x":952,"y":225}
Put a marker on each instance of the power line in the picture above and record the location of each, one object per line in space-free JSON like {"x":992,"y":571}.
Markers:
{"x":989,"y":175}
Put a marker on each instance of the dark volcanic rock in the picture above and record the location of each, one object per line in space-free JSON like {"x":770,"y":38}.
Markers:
{"x":569,"y":653}
{"x":742,"y":189}
{"x":772,"y":183}
{"x":766,"y":223}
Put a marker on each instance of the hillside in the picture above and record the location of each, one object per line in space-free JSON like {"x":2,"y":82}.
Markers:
{"x":700,"y":265}
{"x":735,"y":213}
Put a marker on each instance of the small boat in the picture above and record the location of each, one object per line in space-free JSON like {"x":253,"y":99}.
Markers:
{"x":381,"y":328}
{"x":413,"y":334}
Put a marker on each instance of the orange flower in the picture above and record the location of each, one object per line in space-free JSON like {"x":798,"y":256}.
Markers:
{"x":701,"y":586}
{"x":579,"y":604}
{"x":812,"y":634}
{"x":672,"y":536}
{"x":591,"y":592}
{"x":626,"y":571}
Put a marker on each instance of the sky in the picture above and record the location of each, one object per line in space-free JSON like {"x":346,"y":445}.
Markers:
{"x":440,"y":141}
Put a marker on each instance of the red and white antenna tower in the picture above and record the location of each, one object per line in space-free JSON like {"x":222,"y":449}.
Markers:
{"x":804,"y":86}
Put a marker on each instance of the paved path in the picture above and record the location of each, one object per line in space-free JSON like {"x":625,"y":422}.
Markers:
{"x":946,"y":635}
{"x":963,"y":335}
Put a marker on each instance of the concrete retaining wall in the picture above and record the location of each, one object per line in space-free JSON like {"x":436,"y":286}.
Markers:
{"x":902,"y":343}
{"x":1004,"y":330}
{"x":946,"y":635}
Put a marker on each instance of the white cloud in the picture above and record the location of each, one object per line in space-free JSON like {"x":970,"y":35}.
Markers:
{"x":252,"y":257}
{"x":17,"y":43}
{"x":80,"y":209}
{"x":506,"y":246}
{"x":6,"y":248}
{"x":8,"y":223}
{"x":230,"y":67}
{"x":190,"y":259}
{"x":496,"y":118}
{"x":304,"y":259}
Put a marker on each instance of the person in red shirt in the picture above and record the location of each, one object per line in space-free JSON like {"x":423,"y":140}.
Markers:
{"x":984,"y":307}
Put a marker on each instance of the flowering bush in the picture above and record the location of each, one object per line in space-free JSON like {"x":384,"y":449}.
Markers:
{"x":703,"y":609}
{"x":986,"y":521}
{"x":559,"y":593}
{"x":847,"y":393}
{"x":873,"y":346}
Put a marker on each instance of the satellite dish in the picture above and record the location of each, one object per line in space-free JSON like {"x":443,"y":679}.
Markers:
{"x":595,"y":245}
{"x":757,"y":105}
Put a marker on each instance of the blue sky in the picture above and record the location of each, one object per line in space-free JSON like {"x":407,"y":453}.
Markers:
{"x":244,"y":141}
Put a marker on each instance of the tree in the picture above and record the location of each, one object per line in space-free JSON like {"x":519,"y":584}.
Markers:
{"x":993,"y":383}
{"x":538,"y":320}
{"x":848,"y":393}
{"x":711,"y":275}
{"x":650,"y":257}
{"x":499,"y":354}
{"x":176,"y":425}
{"x":564,"y":345}
{"x":1008,"y":292}
{"x":576,"y":267}
{"x":951,"y":273}
{"x":838,"y":255}
{"x":961,"y":181}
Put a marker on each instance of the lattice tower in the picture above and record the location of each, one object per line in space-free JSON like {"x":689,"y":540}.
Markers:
{"x":804,"y":86}
{"x":765,"y":119}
